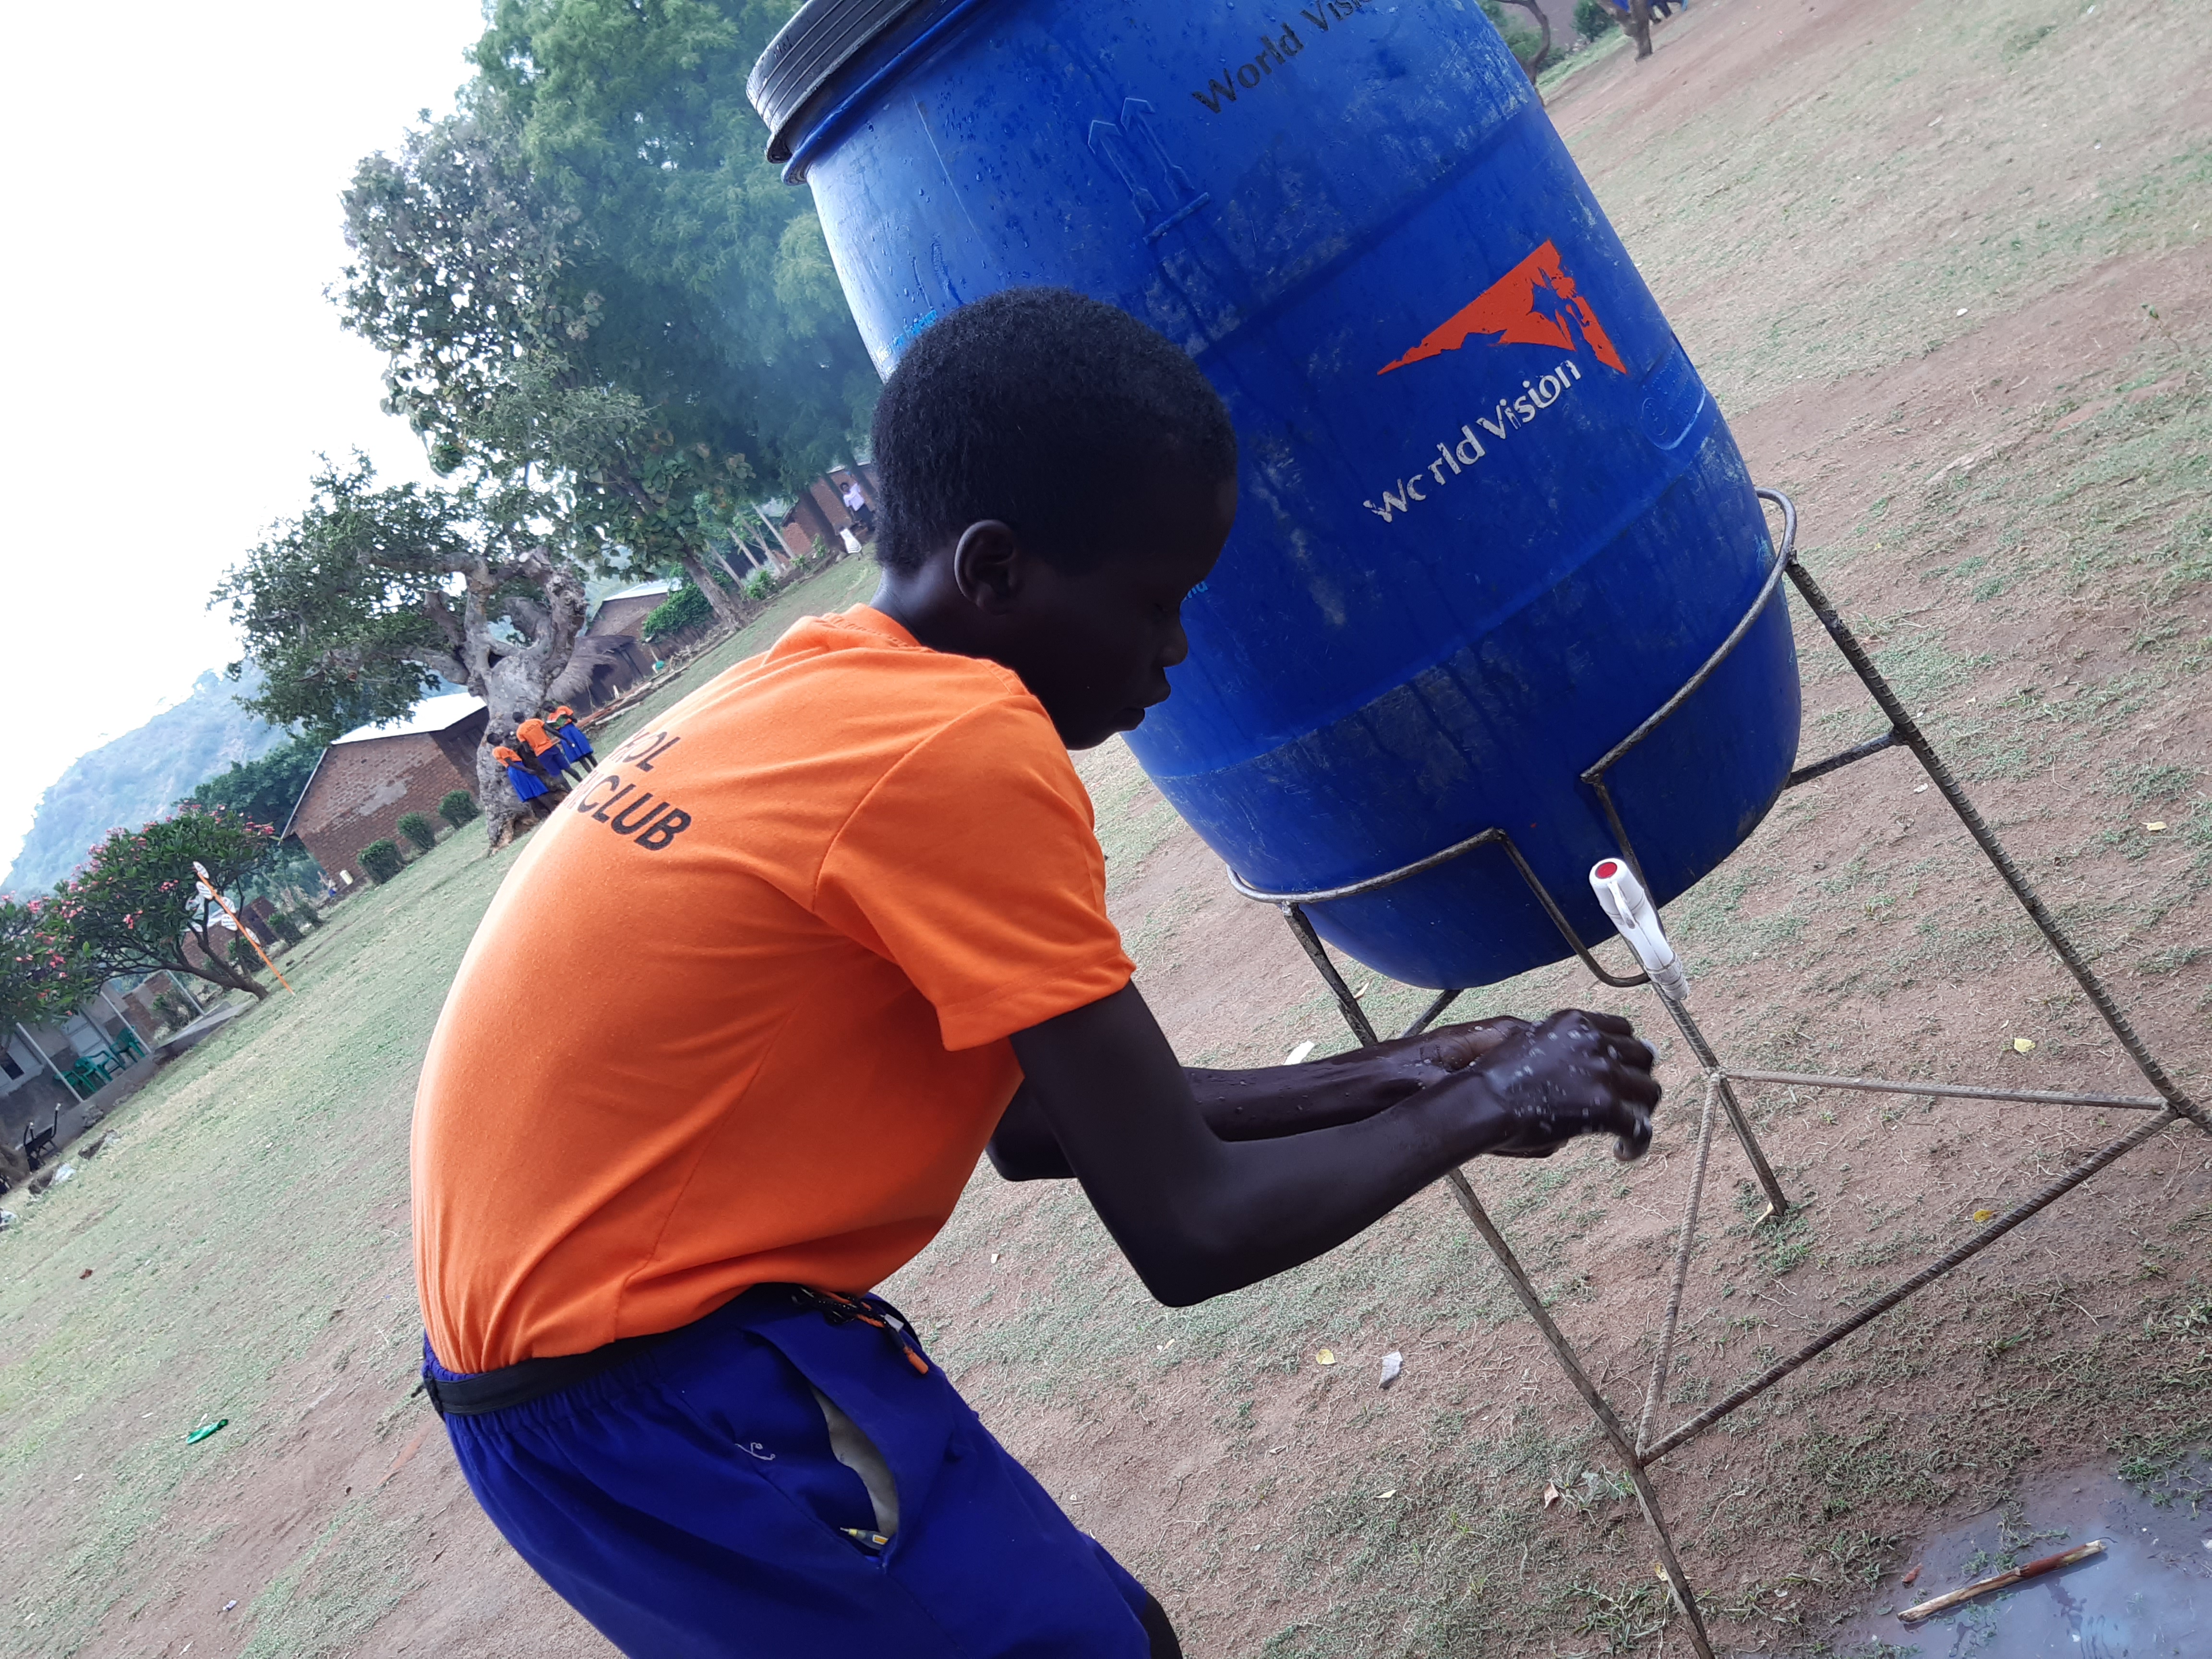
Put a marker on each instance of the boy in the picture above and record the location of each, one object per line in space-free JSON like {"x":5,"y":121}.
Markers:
{"x":839,"y":923}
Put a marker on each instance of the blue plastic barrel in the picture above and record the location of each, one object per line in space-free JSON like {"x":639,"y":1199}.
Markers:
{"x":1492,"y":519}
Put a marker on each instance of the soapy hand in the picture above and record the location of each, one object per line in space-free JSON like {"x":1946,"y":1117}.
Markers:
{"x":1576,"y":1074}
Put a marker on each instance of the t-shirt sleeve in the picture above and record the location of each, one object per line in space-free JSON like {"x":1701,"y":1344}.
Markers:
{"x":973,"y":864}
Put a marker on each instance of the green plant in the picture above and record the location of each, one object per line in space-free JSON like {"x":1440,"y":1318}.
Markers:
{"x":682,"y":608}
{"x":418,"y":830}
{"x":759,"y":585}
{"x":380,"y":859}
{"x":459,"y":807}
{"x":281,"y":924}
{"x":242,"y":953}
{"x":136,"y":899}
{"x":1593,"y":18}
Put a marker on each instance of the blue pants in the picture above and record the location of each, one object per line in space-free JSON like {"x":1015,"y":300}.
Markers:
{"x":689,"y":1504}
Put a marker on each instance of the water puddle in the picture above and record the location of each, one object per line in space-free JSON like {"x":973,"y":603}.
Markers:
{"x":2149,"y":1597}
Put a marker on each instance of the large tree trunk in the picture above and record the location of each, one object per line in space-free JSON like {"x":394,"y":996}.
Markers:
{"x":515,"y":683}
{"x":1543,"y":57}
{"x":723,"y":602}
{"x":214,"y":965}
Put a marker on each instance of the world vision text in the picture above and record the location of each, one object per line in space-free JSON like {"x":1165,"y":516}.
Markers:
{"x":1454,"y":459}
{"x":1276,"y":50}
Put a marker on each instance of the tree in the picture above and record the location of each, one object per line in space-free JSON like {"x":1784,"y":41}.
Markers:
{"x":1543,"y":55}
{"x":523,"y":384}
{"x":718,"y":297}
{"x":42,"y":978}
{"x":363,"y":604}
{"x":134,"y":904}
{"x":265,"y":789}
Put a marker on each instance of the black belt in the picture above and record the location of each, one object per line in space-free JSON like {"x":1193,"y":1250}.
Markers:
{"x":534,"y":1379}
{"x":531,"y":1379}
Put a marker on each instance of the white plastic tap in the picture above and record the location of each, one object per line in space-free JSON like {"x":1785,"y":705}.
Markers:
{"x":1631,"y":911}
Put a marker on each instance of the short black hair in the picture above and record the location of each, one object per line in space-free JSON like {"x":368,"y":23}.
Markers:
{"x":1047,"y":410}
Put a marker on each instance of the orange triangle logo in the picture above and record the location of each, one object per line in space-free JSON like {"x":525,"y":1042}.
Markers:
{"x":1535,"y":303}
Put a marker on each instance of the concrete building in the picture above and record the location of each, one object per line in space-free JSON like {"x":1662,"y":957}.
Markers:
{"x":373,"y":775}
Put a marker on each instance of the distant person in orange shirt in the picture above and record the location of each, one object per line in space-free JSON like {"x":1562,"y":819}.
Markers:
{"x":576,"y":751}
{"x":545,"y":749}
{"x":832,"y":927}
{"x":529,"y":787}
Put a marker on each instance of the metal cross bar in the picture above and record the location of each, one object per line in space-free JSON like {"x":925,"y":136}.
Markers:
{"x":1841,"y":758}
{"x":1347,"y":1004}
{"x":1777,"y":1202}
{"x":1617,"y":1431}
{"x":1952,"y":1090}
{"x":1664,"y":1358}
{"x":1427,"y":1017}
{"x":1919,"y":1281}
{"x":1908,"y":732}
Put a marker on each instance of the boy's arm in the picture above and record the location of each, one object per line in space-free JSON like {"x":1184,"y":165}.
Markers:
{"x":1266,"y":1102}
{"x":1198,"y":1215}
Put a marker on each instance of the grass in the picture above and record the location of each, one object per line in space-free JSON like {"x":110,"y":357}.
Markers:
{"x":258,"y":1185}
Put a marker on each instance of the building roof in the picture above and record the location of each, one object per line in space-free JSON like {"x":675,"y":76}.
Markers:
{"x":638,"y":592}
{"x":431,"y":715}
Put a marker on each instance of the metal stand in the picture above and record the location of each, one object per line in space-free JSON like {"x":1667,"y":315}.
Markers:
{"x":1643,"y":1449}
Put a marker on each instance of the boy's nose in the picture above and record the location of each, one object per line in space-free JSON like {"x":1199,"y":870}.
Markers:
{"x":1177,"y":648}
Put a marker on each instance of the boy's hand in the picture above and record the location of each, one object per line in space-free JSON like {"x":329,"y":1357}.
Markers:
{"x":1576,"y":1074}
{"x":1200,"y":1209}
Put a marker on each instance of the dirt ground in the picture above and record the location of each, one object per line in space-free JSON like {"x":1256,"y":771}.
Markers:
{"x":1945,"y":267}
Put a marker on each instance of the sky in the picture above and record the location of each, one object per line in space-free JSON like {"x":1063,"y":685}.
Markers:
{"x":173,"y":369}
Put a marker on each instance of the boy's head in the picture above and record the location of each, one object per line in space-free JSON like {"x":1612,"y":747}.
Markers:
{"x":1056,"y":477}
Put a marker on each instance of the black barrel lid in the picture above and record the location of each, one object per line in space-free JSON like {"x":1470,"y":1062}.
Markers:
{"x":821,"y":38}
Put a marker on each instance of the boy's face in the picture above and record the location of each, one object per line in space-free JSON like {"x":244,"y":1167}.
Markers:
{"x":1094,"y":646}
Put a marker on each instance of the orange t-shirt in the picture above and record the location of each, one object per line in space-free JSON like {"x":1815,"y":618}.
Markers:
{"x":798,"y":920}
{"x":533,"y":731}
{"x":506,"y":757}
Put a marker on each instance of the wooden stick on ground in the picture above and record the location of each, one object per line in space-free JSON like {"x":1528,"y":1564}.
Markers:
{"x":1913,"y":1615}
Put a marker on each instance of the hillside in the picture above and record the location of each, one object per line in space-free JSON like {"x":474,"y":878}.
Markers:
{"x":136,"y":777}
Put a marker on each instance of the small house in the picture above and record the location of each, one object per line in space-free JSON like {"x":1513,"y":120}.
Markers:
{"x":373,"y":776}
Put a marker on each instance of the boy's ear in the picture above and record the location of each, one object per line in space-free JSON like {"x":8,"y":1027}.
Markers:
{"x":986,"y":566}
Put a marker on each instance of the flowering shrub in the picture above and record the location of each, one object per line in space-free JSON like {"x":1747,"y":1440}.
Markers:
{"x":134,"y":904}
{"x":40,"y":977}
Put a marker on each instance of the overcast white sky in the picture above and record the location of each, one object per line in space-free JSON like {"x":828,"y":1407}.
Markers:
{"x":173,"y":367}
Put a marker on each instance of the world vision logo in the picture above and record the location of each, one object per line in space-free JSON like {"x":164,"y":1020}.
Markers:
{"x":1535,"y":303}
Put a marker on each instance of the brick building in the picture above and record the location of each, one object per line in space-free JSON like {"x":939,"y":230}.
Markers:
{"x":818,"y":513}
{"x":371,"y":777}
